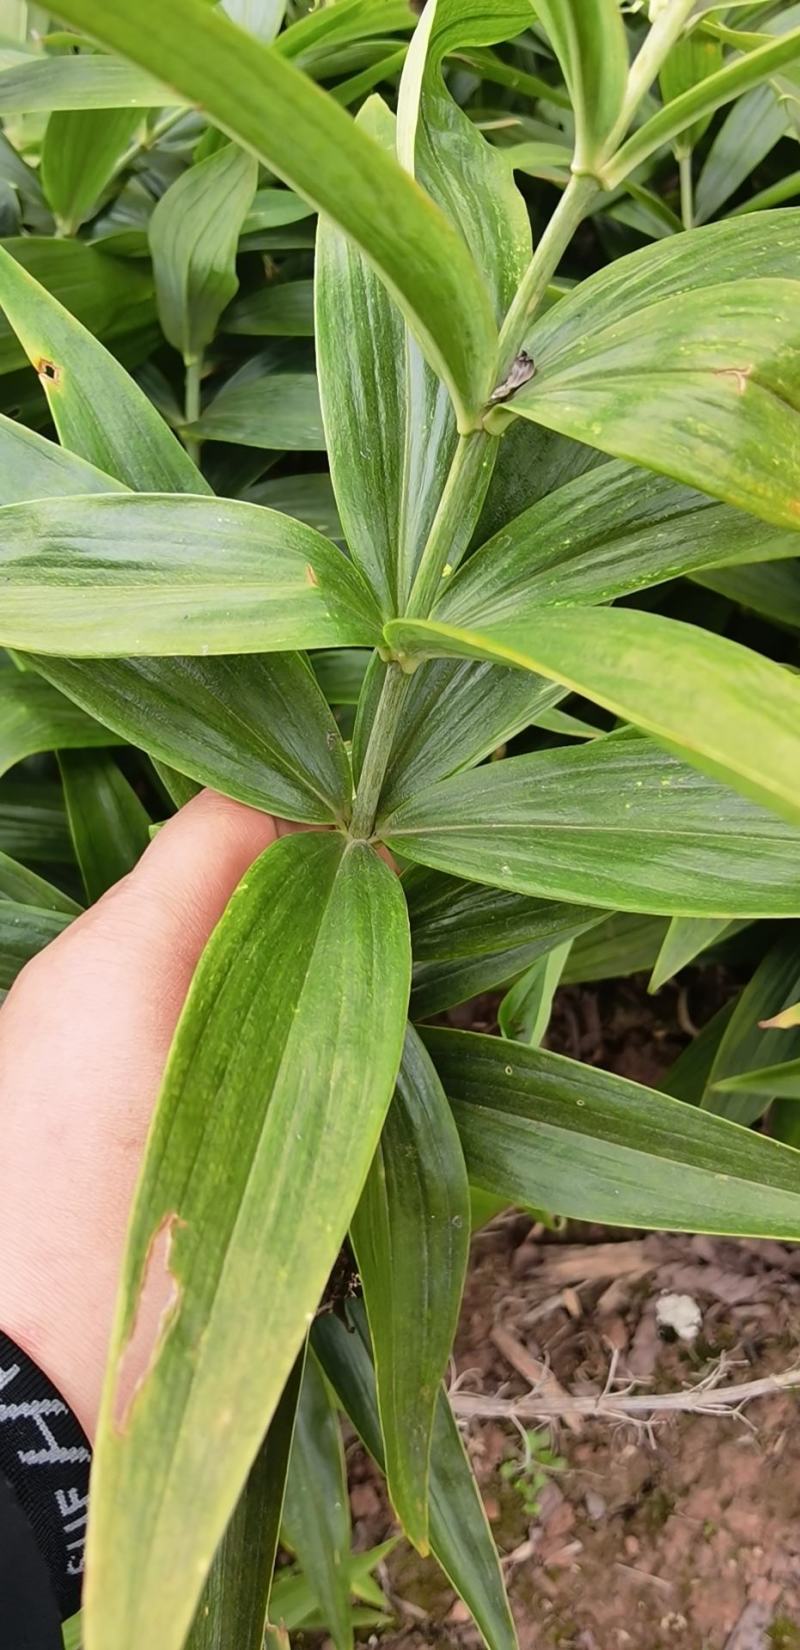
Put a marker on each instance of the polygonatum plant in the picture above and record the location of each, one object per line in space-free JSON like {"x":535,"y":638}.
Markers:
{"x":521,"y":466}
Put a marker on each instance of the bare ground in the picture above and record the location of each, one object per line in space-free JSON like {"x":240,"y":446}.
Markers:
{"x":680,"y":1535}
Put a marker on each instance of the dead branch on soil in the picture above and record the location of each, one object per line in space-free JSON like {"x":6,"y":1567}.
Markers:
{"x":707,"y":1397}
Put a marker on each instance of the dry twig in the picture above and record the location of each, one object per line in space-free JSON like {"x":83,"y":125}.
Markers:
{"x":707,"y":1397}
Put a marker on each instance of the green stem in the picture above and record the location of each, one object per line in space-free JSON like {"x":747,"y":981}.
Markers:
{"x":194,"y":371}
{"x":379,"y":748}
{"x":687,"y":188}
{"x":657,"y":45}
{"x":143,"y":144}
{"x":452,"y":524}
{"x":571,"y":210}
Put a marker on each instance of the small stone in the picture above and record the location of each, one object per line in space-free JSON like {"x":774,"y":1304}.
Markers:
{"x":678,"y":1317}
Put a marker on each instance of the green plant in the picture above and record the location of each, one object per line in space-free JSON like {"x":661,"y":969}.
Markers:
{"x":529,"y":1472}
{"x":508,"y":458}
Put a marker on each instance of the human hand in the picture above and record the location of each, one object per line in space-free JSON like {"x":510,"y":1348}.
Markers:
{"x":84,"y":1037}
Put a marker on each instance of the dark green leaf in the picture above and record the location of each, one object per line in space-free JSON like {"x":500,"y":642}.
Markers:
{"x":33,"y":824}
{"x":25,"y":930}
{"x":531,"y":463}
{"x":746,"y":1044}
{"x":35,"y":717}
{"x":454,"y":715}
{"x":340,"y":673}
{"x":754,"y":125}
{"x":467,"y":939}
{"x":24,"y":887}
{"x":774,"y":1082}
{"x":538,"y":1128}
{"x":286,"y":311}
{"x":316,"y":1514}
{"x":411,"y":1235}
{"x":616,"y":822}
{"x":685,"y":939}
{"x":461,"y":1540}
{"x":309,"y":497}
{"x":193,"y":234}
{"x":610,"y":532}
{"x":279,"y":410}
{"x":525,"y":1011}
{"x":110,"y":828}
{"x":771,"y":589}
{"x":110,"y":299}
{"x":461,"y":919}
{"x":257,"y":729}
{"x":623,"y":944}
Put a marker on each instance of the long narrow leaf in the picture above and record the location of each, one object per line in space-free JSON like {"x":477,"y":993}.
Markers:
{"x":99,"y":412}
{"x":316,"y":1514}
{"x":110,"y":828}
{"x":159,"y":574}
{"x":193,"y":235}
{"x":727,"y":710}
{"x":411,"y":1234}
{"x":616,"y":822}
{"x":35,"y":717}
{"x":542,"y":1129}
{"x":24,"y":931}
{"x":257,"y":729}
{"x":233,"y":1609}
{"x":288,"y":1101}
{"x":267,"y":105}
{"x":32,"y":467}
{"x":460,"y":1537}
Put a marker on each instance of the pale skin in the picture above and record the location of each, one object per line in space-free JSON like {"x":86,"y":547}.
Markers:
{"x":84,"y":1036}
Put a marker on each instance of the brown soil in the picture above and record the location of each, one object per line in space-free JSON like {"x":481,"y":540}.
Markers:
{"x":683,"y":1536}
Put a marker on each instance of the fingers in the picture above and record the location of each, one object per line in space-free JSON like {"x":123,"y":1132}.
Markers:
{"x":84,"y":1037}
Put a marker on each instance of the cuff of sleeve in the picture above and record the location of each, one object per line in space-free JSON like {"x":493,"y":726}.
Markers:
{"x":45,"y":1458}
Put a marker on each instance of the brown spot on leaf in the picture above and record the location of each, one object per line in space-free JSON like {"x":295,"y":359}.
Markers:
{"x":156,"y":1309}
{"x":48,"y":371}
{"x":311,"y":576}
{"x":739,"y":374}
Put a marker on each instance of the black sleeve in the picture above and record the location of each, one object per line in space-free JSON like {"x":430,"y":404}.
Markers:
{"x":44,"y":1497}
{"x":29,"y":1616}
